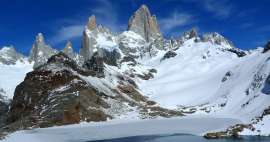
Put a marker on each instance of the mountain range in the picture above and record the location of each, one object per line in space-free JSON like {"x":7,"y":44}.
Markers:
{"x":137,"y":74}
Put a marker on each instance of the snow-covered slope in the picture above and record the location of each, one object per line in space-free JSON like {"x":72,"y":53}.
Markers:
{"x":9,"y":56}
{"x":12,"y":75}
{"x":205,"y":78}
{"x":13,"y":68}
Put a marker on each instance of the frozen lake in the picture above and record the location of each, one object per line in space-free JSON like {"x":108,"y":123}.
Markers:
{"x":184,"y":138}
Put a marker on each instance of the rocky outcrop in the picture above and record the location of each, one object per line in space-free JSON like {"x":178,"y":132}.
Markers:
{"x":172,"y":44}
{"x":238,"y":52}
{"x":9,"y":56}
{"x":266,"y":47}
{"x":131,"y":44}
{"x":95,"y":64}
{"x":190,"y":34}
{"x":55,"y":94}
{"x":231,"y":132}
{"x":89,"y":42}
{"x":95,"y":42}
{"x":40,"y":51}
{"x":168,"y":55}
{"x":3,"y":109}
{"x":218,"y":39}
{"x":225,"y":44}
{"x":144,"y":24}
{"x":68,"y":50}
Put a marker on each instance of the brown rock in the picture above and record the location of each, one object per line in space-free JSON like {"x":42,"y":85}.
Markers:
{"x":54,"y":94}
{"x":144,"y":24}
{"x":91,"y":25}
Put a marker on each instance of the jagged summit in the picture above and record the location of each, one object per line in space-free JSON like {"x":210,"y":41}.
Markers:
{"x":191,"y":33}
{"x":40,"y":51}
{"x":9,"y":55}
{"x":217,"y":39}
{"x":91,"y":25}
{"x":68,"y":49}
{"x":40,"y":38}
{"x":96,"y":38}
{"x":144,"y":24}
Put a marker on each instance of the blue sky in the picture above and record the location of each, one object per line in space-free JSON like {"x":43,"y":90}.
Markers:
{"x":245,"y":22}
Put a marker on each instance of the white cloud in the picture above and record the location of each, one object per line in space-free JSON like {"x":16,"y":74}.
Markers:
{"x":176,"y":19}
{"x":67,"y":33}
{"x":221,"y":9}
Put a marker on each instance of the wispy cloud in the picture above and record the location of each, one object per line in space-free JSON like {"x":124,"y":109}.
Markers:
{"x":67,"y":33}
{"x":221,"y":9}
{"x":176,"y":19}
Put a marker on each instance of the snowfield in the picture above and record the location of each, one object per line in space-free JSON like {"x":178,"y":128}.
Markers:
{"x":12,"y":75}
{"x":204,"y":76}
{"x":116,"y":129}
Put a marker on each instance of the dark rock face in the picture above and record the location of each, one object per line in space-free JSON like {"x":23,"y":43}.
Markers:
{"x":55,"y":94}
{"x":95,"y":64}
{"x":190,"y":34}
{"x":169,"y":54}
{"x":266,"y":87}
{"x":110,"y":57}
{"x":238,"y":52}
{"x":129,"y":59}
{"x":267,"y":47}
{"x":227,"y":76}
{"x":3,"y":110}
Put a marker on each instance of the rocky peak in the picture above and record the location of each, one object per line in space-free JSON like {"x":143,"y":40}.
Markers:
{"x":98,"y":39}
{"x":8,"y":55}
{"x":68,"y":49}
{"x":40,"y":51}
{"x":216,"y":38}
{"x":40,"y":38}
{"x":191,"y":34}
{"x":91,"y":25}
{"x":144,"y":24}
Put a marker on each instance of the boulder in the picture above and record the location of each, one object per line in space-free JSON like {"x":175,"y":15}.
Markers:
{"x":169,"y":54}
